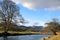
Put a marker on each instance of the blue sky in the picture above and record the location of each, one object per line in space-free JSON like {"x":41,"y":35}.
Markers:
{"x":40,"y":16}
{"x":39,"y":11}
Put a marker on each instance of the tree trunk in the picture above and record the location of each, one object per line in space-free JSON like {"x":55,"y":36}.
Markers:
{"x":54,"y":32}
{"x":5,"y":38}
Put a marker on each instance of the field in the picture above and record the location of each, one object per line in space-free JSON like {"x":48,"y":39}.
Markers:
{"x":12,"y":32}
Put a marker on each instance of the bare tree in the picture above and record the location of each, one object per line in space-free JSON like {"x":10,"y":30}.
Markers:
{"x":52,"y":26}
{"x":9,"y":12}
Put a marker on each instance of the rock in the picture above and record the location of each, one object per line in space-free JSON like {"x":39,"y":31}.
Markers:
{"x":43,"y":38}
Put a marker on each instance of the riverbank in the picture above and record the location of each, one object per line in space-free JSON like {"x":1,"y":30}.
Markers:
{"x":26,"y":32}
{"x":54,"y":37}
{"x":12,"y":33}
{"x":15,"y":33}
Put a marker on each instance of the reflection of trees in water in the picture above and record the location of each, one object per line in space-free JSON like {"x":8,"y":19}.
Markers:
{"x":5,"y":38}
{"x":14,"y":38}
{"x":11,"y":38}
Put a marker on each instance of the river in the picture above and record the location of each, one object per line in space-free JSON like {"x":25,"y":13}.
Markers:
{"x":26,"y":37}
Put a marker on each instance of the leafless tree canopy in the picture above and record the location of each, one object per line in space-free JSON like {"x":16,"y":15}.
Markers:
{"x":53,"y":26}
{"x":9,"y":13}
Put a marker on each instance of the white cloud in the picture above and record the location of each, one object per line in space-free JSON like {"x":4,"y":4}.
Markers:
{"x":53,"y":8}
{"x":36,"y":4}
{"x":35,"y":22}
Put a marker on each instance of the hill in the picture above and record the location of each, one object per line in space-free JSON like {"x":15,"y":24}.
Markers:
{"x":14,"y":27}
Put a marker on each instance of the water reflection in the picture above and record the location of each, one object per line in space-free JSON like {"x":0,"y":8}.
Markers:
{"x":5,"y":38}
{"x":26,"y":37}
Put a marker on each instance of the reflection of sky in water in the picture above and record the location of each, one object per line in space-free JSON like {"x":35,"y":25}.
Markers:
{"x":26,"y":37}
{"x":1,"y":38}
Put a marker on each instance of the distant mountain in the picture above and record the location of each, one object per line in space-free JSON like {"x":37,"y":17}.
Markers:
{"x":37,"y":28}
{"x":14,"y":27}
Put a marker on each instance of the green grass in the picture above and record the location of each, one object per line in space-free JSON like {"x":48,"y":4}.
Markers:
{"x":28,"y":32}
{"x":14,"y":32}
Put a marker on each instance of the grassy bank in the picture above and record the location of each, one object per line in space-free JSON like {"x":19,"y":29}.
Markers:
{"x":55,"y":37}
{"x":15,"y":33}
{"x":26,"y":32}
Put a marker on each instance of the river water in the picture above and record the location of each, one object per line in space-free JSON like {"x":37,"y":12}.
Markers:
{"x":26,"y":37}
